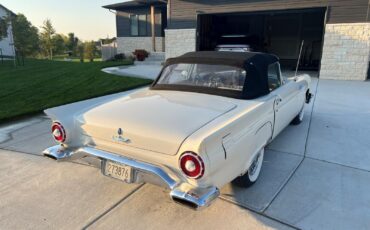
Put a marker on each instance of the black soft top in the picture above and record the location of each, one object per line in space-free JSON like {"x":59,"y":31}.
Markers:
{"x":238,"y":59}
{"x":256,"y":65}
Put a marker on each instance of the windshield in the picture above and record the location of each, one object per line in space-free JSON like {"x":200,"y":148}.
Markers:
{"x":203,"y":75}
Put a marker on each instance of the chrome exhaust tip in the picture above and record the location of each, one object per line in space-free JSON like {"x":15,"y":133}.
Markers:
{"x":58,"y":153}
{"x":50,"y":156}
{"x":194,"y":198}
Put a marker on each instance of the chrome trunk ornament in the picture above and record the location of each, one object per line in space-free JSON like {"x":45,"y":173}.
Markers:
{"x":120,"y":138}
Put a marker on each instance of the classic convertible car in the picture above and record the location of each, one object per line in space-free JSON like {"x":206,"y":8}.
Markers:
{"x":204,"y":122}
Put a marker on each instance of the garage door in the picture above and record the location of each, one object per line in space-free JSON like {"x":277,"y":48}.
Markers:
{"x":277,"y":32}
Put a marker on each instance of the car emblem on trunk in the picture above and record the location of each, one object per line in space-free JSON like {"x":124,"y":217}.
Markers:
{"x":119,"y":137}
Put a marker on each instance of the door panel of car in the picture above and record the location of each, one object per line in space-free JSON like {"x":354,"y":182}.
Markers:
{"x":285,"y":93}
{"x":286,"y":105}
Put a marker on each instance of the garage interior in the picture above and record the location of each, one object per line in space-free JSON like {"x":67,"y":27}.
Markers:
{"x":277,"y":32}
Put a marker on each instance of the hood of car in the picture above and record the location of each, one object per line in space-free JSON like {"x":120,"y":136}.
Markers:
{"x":153,"y":120}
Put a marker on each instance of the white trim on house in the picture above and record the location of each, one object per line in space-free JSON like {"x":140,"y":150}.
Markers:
{"x":7,"y":43}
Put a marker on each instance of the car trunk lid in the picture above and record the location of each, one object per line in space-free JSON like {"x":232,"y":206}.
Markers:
{"x":153,"y":120}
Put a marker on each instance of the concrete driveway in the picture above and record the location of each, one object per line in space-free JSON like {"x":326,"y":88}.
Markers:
{"x":139,"y":71}
{"x":315,"y":176}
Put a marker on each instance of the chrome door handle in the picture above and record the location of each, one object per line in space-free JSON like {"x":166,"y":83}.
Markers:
{"x":278,"y":100}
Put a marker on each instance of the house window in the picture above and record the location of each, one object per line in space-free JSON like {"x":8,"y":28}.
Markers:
{"x":138,"y":25}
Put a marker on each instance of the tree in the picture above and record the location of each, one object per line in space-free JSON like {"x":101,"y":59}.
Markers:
{"x":90,"y":50}
{"x":26,"y":38}
{"x":72,"y":44}
{"x":81,"y":50}
{"x":59,"y":43}
{"x":47,"y":34}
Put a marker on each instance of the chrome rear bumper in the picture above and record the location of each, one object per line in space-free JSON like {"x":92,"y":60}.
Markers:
{"x":181,"y":192}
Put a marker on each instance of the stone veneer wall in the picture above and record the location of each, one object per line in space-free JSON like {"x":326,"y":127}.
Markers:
{"x":179,"y":41}
{"x":127,"y":45}
{"x":346,"y":51}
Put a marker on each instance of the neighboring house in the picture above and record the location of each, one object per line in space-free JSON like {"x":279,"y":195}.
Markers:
{"x":140,"y":25}
{"x":6,"y":44}
{"x":336,"y":33}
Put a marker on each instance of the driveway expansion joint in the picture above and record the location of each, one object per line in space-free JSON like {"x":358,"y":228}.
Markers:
{"x":113,"y":207}
{"x":42,"y":156}
{"x":16,"y":151}
{"x":259,"y":213}
{"x":304,"y":154}
{"x":335,"y":163}
{"x":10,"y":134}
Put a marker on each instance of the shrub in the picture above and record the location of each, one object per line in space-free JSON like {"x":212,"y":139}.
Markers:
{"x":119,"y":57}
{"x":140,"y":55}
{"x":90,"y":50}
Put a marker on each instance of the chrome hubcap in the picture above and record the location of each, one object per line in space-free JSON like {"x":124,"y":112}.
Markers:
{"x":253,"y":168}
{"x":301,"y":114}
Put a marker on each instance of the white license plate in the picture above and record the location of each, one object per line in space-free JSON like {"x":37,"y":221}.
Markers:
{"x":118,"y":171}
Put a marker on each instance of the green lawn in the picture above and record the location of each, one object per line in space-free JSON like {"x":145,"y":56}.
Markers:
{"x":42,"y":84}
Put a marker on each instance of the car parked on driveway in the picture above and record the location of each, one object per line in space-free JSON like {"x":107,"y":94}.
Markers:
{"x":204,"y":122}
{"x":234,"y":48}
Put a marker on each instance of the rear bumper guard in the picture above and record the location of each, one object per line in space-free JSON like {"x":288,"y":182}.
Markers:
{"x":181,"y":192}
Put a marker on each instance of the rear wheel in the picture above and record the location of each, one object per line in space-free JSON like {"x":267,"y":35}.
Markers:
{"x":299,"y":118}
{"x":251,"y":176}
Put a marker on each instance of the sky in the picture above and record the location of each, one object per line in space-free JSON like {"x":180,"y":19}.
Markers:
{"x":86,"y":18}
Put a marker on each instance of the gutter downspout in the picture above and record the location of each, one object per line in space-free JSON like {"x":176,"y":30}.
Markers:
{"x":368,"y":11}
{"x":152,"y":19}
{"x":169,"y":12}
{"x":10,"y":28}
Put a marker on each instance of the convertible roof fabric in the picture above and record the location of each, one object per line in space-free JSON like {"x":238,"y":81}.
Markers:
{"x":238,"y":59}
{"x":256,"y":65}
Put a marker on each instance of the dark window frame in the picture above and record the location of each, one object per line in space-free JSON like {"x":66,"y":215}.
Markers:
{"x":199,"y":89}
{"x":140,"y":25}
{"x":280,"y":81}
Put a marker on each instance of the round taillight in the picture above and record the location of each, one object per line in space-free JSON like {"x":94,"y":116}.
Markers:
{"x":58,"y":131}
{"x":192,"y":165}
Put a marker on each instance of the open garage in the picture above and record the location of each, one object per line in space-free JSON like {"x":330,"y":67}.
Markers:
{"x":279,"y":32}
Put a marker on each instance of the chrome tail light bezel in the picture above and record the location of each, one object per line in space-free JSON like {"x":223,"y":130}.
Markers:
{"x":198,"y":162}
{"x":57,"y":126}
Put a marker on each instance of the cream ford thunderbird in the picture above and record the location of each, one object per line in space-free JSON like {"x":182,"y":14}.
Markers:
{"x":204,"y":122}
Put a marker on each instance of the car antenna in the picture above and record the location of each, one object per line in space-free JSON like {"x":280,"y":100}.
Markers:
{"x":299,"y":58}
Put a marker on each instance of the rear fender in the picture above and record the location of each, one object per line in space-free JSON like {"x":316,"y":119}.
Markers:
{"x":68,"y":124}
{"x":262,"y":136}
{"x":68,"y":115}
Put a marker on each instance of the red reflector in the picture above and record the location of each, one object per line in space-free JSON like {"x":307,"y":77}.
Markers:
{"x":192,"y":165}
{"x":58,"y":132}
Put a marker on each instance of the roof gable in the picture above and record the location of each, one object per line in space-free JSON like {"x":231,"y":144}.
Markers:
{"x":6,"y":9}
{"x":134,"y":3}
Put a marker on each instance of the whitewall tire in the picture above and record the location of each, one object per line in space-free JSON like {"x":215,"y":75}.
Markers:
{"x":251,"y":176}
